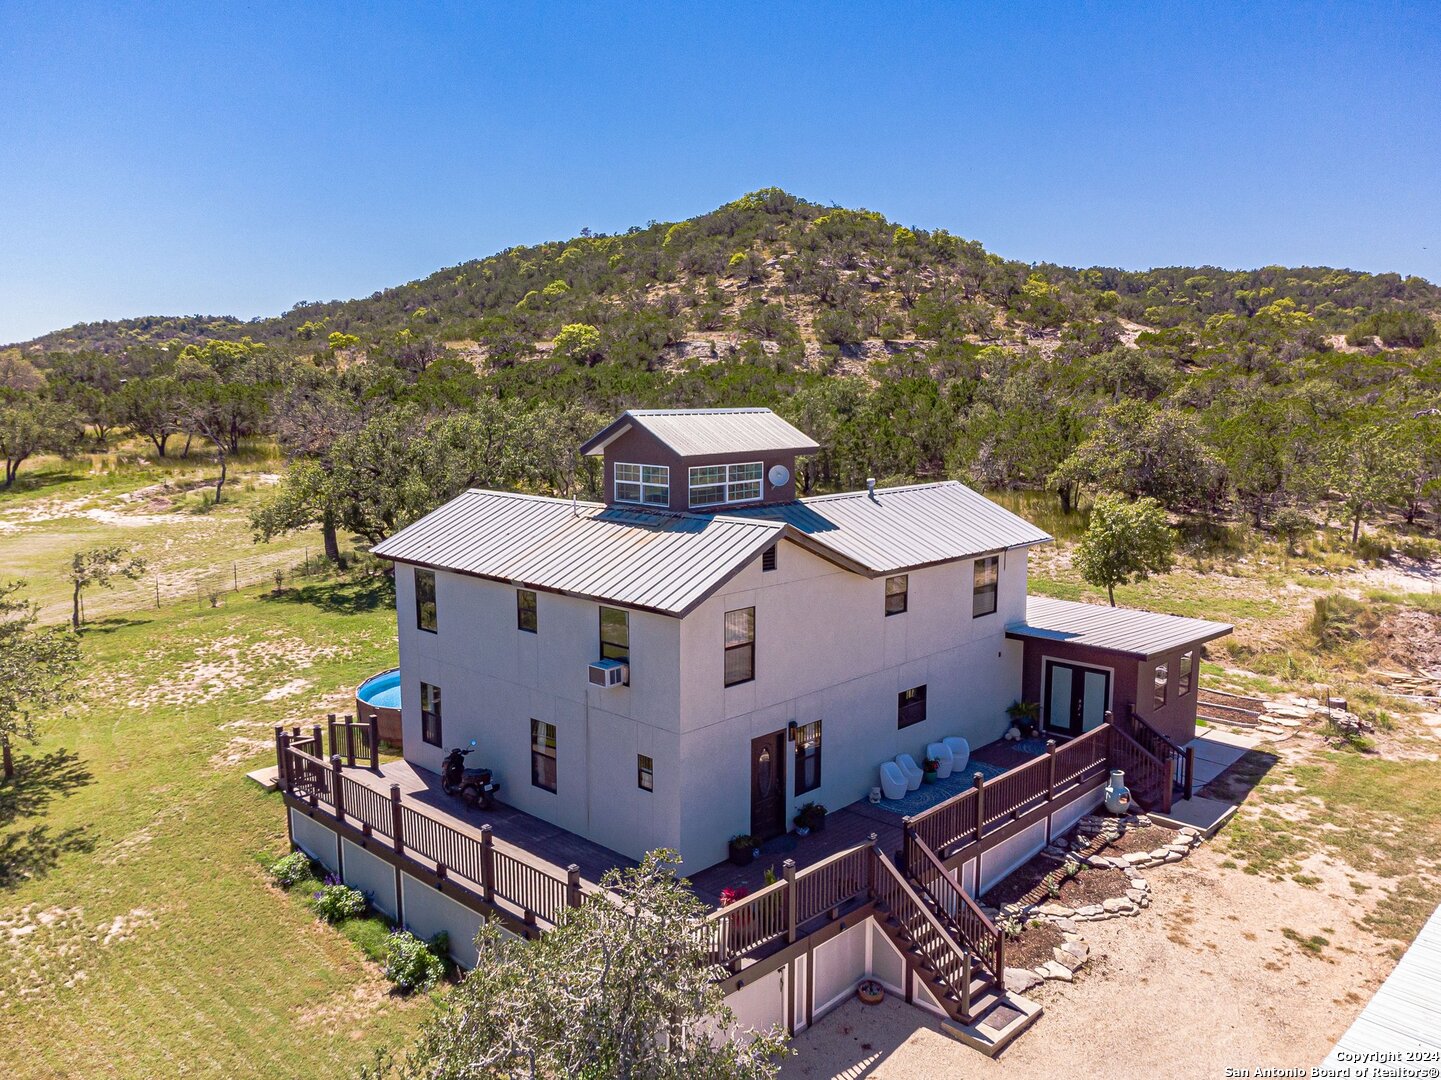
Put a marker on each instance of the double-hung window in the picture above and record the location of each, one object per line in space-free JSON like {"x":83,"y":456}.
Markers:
{"x":615,"y":636}
{"x":645,"y":484}
{"x":740,"y":650}
{"x":425,"y":600}
{"x":525,"y":613}
{"x":911,"y":706}
{"x":542,"y":755}
{"x":1158,"y":691}
{"x":644,"y":772}
{"x":430,"y":714}
{"x":808,"y":757}
{"x":983,"y":589}
{"x":713,"y":485}
{"x":1183,"y":673}
{"x":897,"y":594}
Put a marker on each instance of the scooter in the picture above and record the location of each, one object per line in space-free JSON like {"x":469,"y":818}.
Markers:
{"x":474,"y":786}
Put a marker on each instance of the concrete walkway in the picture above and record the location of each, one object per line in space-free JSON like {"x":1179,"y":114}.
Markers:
{"x":1215,"y":752}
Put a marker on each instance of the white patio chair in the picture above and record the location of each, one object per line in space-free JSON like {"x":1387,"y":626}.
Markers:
{"x":960,"y":752}
{"x":911,"y":769}
{"x":893,"y":781}
{"x":945,"y":760}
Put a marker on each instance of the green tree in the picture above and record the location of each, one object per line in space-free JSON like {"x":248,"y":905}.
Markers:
{"x":30,"y":425}
{"x":1127,"y":540}
{"x":99,"y":567}
{"x":151,"y":407}
{"x":1367,"y":468}
{"x":623,"y":987}
{"x":37,"y":669}
{"x":578,"y":342}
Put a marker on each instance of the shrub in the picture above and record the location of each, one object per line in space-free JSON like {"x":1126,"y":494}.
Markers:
{"x":411,"y":964}
{"x":295,"y":867}
{"x":334,"y":901}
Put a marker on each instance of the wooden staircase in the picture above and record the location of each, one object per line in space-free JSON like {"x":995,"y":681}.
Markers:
{"x":981,"y":1013}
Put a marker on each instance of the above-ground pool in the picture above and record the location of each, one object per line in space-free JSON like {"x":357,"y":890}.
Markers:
{"x":382,"y":691}
{"x":380,"y":695}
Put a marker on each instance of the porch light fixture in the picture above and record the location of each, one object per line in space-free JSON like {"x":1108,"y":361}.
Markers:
{"x":791,"y":731}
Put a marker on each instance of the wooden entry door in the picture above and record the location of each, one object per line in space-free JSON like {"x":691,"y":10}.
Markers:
{"x":768,"y":786}
{"x":1076,"y":697}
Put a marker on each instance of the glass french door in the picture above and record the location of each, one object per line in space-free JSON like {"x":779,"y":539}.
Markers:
{"x":1076,"y":697}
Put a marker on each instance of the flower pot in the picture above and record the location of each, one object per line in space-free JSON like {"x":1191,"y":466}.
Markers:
{"x":929,"y":776}
{"x":870,"y":992}
{"x":741,"y":854}
{"x":818,"y":823}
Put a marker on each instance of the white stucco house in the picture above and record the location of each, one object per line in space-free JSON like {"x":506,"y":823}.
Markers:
{"x":775,"y":650}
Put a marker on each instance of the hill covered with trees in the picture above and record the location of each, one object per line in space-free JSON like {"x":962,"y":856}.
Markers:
{"x":1278,"y":394}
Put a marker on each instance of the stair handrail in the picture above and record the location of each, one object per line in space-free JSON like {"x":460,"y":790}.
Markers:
{"x":884,"y":868}
{"x":1183,"y":754}
{"x":1146,"y":758}
{"x":989,"y":942}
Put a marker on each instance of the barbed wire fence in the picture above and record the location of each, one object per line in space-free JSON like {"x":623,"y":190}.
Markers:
{"x":200,"y":587}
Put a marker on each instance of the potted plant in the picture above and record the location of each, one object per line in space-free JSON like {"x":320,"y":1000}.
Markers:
{"x":930,"y":766}
{"x":810,"y":817}
{"x":742,"y":849}
{"x":1026,"y":716}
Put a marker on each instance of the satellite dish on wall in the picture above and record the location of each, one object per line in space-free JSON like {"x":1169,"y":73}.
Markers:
{"x":779,"y":475}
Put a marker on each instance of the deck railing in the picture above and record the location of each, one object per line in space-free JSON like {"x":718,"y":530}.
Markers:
{"x":950,"y":960}
{"x":1180,"y":761}
{"x":962,"y":917}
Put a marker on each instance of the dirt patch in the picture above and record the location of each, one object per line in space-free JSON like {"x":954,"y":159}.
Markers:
{"x":1034,"y":946}
{"x":1043,"y":880}
{"x":48,"y":949}
{"x":1132,"y":839}
{"x":1410,"y":638}
{"x":352,"y":1005}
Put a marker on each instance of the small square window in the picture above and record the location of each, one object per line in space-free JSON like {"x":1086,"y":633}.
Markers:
{"x":768,"y":559}
{"x":983,"y":599}
{"x":542,"y":755}
{"x":525,"y":613}
{"x":1158,"y":697}
{"x":644,"y":773}
{"x":430,"y":730}
{"x":1183,"y":673}
{"x":425,"y":600}
{"x":911,"y":706}
{"x":897,"y":594}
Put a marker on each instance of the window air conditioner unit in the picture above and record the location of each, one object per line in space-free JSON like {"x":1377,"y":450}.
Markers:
{"x":608,"y":673}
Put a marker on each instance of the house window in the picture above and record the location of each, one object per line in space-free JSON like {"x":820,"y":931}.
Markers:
{"x":768,"y":559}
{"x":911,"y":706}
{"x":646,"y":484}
{"x":983,"y":599}
{"x":712,"y":485}
{"x":897,"y":594}
{"x":542,"y":755}
{"x":808,"y":757}
{"x":1158,"y":697}
{"x":644,"y":773}
{"x":1183,"y":673}
{"x":425,"y":600}
{"x":740,"y":646}
{"x":525,"y":617}
{"x":430,"y":713}
{"x":614,"y":634}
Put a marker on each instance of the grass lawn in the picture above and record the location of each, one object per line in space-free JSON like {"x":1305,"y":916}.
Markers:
{"x":148,"y":942}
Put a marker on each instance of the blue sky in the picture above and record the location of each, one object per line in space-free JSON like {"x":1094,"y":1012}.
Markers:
{"x":232,"y":159}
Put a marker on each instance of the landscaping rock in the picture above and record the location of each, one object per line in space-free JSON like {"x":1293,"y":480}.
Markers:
{"x":1139,"y":857}
{"x":1052,"y":970}
{"x":1090,"y":911}
{"x":1114,"y":905}
{"x":1067,"y":960}
{"x":1135,"y":895}
{"x":1019,"y":980}
{"x":1139,"y":883}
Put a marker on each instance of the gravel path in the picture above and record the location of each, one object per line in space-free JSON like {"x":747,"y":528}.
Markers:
{"x":1203,"y":980}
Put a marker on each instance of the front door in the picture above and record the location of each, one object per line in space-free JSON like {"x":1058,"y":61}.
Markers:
{"x":768,"y":786}
{"x":1076,"y":697}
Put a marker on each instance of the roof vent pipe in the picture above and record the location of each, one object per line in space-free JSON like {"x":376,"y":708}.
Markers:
{"x":574,"y":506}
{"x":871,"y":486}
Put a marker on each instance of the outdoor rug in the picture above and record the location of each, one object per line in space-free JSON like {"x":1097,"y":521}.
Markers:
{"x":928,"y":795}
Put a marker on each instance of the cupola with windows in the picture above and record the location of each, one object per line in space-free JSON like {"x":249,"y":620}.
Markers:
{"x":699,"y":460}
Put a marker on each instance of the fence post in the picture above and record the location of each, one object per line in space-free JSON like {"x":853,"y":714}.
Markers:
{"x":979,"y":780}
{"x":1051,"y":758}
{"x":350,"y":740}
{"x":330,"y":730}
{"x":337,"y":798}
{"x":572,"y":886}
{"x":373,"y":737}
{"x":1190,"y":768}
{"x":487,"y":864}
{"x":319,"y":746}
{"x":870,"y":868}
{"x":282,"y":740}
{"x":788,"y":871}
{"x":396,"y":818}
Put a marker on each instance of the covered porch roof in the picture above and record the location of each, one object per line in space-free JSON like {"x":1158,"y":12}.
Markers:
{"x":1142,"y":634}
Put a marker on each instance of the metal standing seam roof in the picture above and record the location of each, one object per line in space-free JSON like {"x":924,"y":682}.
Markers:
{"x":705,"y":432}
{"x":647,"y":559}
{"x":1140,"y":633}
{"x":904,"y":528}
{"x":1405,"y":1013}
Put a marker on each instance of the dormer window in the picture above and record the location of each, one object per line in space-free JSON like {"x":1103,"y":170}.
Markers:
{"x":716,"y":485}
{"x":645,"y":484}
